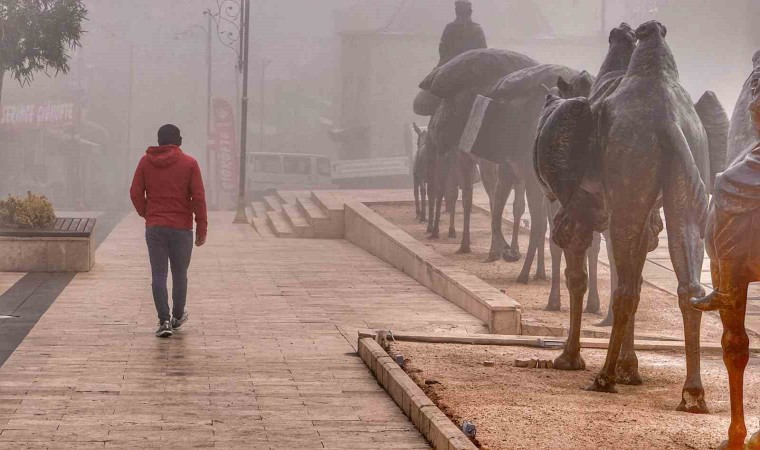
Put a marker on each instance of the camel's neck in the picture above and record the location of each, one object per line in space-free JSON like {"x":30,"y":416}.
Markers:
{"x":653,"y":58}
{"x":618,"y":58}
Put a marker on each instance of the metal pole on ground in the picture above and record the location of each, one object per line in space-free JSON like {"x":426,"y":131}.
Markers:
{"x":241,"y":216}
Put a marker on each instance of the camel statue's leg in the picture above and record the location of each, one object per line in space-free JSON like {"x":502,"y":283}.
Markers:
{"x":735,"y":356}
{"x":607,"y":322}
{"x":436,"y":218}
{"x":593,"y":303}
{"x":467,"y":166}
{"x":627,"y":369}
{"x":488,"y":175}
{"x":537,"y":227}
{"x":518,"y":210}
{"x":417,"y":187}
{"x":687,"y":253}
{"x":451,"y":199}
{"x":555,"y":296}
{"x":504,"y":183}
{"x":441,"y":189}
{"x":626,"y":225}
{"x":433,"y":181}
{"x":423,"y":201}
{"x":577,"y":282}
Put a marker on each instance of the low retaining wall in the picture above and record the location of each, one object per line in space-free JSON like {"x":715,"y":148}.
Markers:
{"x":370,"y":231}
{"x":46,"y":254}
{"x":424,"y":414}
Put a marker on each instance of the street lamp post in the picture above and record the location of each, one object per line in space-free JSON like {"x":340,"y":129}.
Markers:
{"x":233,"y":23}
{"x":241,"y":216}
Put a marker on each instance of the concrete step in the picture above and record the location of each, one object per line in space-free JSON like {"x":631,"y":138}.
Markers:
{"x":310,"y":210}
{"x":279,"y":225}
{"x":273,"y":203}
{"x":261,"y":225}
{"x":259,"y":210}
{"x":334,"y":209}
{"x":290,"y":197}
{"x":297,"y":221}
{"x":317,"y":218}
{"x":327,"y":203}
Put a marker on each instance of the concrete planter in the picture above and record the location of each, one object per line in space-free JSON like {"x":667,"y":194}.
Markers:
{"x":67,"y":247}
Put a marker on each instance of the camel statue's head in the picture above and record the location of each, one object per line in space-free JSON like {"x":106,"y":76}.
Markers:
{"x":623,"y":34}
{"x":421,"y":134}
{"x":651,"y":28}
{"x":578,"y":86}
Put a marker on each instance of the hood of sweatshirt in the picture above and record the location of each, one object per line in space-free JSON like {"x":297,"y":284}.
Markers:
{"x":164,"y":156}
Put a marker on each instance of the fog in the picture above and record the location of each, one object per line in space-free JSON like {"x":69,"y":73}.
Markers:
{"x":325,"y":69}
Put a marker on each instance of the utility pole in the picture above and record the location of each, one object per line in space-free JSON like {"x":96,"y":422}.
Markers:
{"x":241,"y":217}
{"x":209,"y":63}
{"x":129,"y":100}
{"x":264,"y":64}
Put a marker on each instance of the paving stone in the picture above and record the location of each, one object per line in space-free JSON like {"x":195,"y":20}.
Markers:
{"x":266,"y":360}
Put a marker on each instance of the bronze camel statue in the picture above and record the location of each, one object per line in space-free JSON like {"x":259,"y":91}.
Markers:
{"x":458,"y":82}
{"x":622,"y":42}
{"x":733,"y":227}
{"x":611,"y":161}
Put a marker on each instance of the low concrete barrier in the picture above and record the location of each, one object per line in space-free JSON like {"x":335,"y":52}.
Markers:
{"x":46,"y":254}
{"x":370,"y":231}
{"x":67,"y":246}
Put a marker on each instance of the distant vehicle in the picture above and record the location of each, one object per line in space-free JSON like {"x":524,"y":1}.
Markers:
{"x":368,"y":168}
{"x":378,"y":172}
{"x":286,"y":171}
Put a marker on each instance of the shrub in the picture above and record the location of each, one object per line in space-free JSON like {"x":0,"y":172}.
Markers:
{"x":33,"y":211}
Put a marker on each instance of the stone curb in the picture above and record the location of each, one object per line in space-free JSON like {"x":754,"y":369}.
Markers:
{"x":429,"y":420}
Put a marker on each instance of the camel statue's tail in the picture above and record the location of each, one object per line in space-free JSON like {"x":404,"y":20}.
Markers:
{"x":716,"y":123}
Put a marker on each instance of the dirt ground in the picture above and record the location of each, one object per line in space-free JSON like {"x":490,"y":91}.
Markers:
{"x":658,"y":313}
{"x":516,"y":408}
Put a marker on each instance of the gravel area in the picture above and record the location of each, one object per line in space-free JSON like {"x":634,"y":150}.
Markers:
{"x":516,"y":408}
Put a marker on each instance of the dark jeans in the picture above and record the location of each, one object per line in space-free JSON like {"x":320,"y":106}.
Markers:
{"x":167,"y":245}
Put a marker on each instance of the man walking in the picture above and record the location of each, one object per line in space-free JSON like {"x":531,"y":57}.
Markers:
{"x":461,"y":35}
{"x":167,"y":190}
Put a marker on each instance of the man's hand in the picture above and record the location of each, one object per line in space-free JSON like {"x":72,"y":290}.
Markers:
{"x":200,"y":240}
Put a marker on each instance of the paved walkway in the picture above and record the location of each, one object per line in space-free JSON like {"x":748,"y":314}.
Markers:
{"x":266,"y":360}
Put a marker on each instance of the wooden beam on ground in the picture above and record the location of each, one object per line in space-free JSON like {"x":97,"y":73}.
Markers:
{"x":545,"y":342}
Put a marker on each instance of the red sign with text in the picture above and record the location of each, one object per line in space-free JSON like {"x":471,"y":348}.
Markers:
{"x":224,"y":147}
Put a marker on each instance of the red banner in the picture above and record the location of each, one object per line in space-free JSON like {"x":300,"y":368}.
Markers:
{"x":224,"y":147}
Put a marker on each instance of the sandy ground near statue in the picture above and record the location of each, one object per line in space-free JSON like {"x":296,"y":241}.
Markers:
{"x":658,"y":313}
{"x":516,"y":408}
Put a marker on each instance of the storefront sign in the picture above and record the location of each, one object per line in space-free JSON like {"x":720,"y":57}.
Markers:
{"x":37,"y":116}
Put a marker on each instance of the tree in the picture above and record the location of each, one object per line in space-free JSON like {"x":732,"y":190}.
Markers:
{"x":37,"y":36}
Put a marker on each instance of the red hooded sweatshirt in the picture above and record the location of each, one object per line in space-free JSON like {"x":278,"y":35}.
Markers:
{"x":168,"y":189}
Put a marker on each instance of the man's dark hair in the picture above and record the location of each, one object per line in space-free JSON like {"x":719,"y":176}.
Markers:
{"x":169,"y":135}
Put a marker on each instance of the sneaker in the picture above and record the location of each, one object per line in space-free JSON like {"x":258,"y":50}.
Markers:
{"x":164,"y":329}
{"x":177,"y":323}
